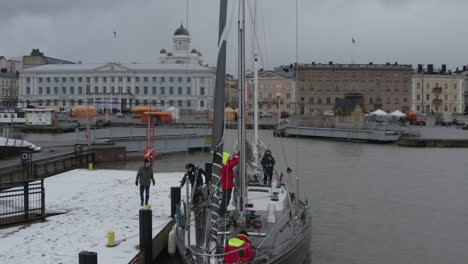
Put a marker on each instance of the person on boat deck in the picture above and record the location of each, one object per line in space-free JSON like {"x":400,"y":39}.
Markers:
{"x":268,"y":164}
{"x":194,"y":174}
{"x":227,"y":182}
{"x":144,"y":177}
{"x":241,"y":241}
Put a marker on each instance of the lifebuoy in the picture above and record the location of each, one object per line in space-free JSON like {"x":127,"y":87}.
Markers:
{"x":149,"y":153}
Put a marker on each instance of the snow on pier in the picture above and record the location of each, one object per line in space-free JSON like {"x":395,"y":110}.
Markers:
{"x":94,"y":203}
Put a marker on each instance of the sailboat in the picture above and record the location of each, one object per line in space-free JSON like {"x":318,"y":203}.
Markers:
{"x":277,"y":222}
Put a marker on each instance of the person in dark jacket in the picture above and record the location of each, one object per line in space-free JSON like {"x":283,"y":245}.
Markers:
{"x":196,"y":175}
{"x":145,"y":176}
{"x":227,"y":183}
{"x":268,"y":164}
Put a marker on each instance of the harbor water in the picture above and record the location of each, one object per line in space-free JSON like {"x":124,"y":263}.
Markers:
{"x":371,"y":203}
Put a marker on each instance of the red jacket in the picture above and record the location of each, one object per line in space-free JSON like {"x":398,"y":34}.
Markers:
{"x":241,"y":256}
{"x":227,"y":176}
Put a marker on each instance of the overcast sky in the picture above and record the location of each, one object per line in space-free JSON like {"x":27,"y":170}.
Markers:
{"x":407,"y":31}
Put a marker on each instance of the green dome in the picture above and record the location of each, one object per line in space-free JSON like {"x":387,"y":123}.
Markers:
{"x":181,"y":31}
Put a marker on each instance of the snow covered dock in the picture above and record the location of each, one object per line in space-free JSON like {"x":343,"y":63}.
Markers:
{"x":94,"y":202}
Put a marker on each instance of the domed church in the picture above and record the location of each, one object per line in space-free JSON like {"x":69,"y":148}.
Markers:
{"x":181,"y":53}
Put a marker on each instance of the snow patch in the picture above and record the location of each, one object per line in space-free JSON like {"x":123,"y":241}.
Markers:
{"x":96,"y":202}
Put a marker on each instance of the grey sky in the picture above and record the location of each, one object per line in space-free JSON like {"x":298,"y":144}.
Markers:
{"x":407,"y":31}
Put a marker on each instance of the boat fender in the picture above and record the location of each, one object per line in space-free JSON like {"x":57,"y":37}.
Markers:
{"x":171,"y":241}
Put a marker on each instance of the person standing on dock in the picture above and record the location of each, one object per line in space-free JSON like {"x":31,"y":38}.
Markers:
{"x":227,"y":183}
{"x":145,"y":176}
{"x":268,"y":164}
{"x":196,"y":176}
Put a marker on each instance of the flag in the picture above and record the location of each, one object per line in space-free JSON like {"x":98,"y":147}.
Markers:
{"x":353,"y":40}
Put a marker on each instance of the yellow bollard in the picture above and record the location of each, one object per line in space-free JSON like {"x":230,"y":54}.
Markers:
{"x":111,"y":239}
{"x":90,"y":166}
{"x":148,"y":207}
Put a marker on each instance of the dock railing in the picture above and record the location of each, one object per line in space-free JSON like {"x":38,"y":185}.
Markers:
{"x":404,"y":130}
{"x":22,"y":201}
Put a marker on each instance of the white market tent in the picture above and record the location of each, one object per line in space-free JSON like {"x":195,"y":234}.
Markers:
{"x":397,"y":113}
{"x":378,"y":112}
{"x":175,"y":112}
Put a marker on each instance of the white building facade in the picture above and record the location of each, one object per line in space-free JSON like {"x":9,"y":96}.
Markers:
{"x":438,"y":93}
{"x":183,"y":83}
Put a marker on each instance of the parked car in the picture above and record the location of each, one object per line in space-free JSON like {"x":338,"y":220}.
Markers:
{"x":266,"y":114}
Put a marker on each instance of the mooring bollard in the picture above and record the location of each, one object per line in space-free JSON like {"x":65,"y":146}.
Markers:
{"x":175,"y":199}
{"x":110,"y":239}
{"x":90,"y":166}
{"x":146,"y":234}
{"x":87,"y":257}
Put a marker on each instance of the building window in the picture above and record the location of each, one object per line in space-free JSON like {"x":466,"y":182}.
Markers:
{"x":202,"y":103}
{"x":371,"y":100}
{"x":454,"y":109}
{"x":189,"y":91}
{"x":397,"y":100}
{"x":446,"y":97}
{"x":129,"y":79}
{"x":162,"y":90}
{"x":96,"y":90}
{"x":154,"y":90}
{"x":189,"y":104}
{"x":319,"y":100}
{"x":40,"y":79}
{"x":418,"y":108}
{"x":72,"y":79}
{"x":171,"y":103}
{"x":28,"y":90}
{"x":388,"y":100}
{"x":145,"y":102}
{"x":179,"y":90}
{"x":88,"y":79}
{"x":137,"y":102}
{"x":454,"y":86}
{"x":96,"y":79}
{"x":162,"y":103}
{"x":40,"y":90}
{"x":445,"y":108}
{"x":328,"y":100}
{"x":137,"y":79}
{"x":171,"y":90}
{"x":48,"y":79}
{"x":445,"y":86}
{"x":179,"y":79}
{"x":80,"y":90}
{"x":428,"y":97}
{"x":48,"y":90}
{"x":145,"y":79}
{"x":311,"y":100}
{"x":189,"y":79}
{"x":202,"y":90}
{"x":163,"y":79}
{"x":72,"y":90}
{"x":179,"y":103}
{"x":288,"y":96}
{"x":28,"y":80}
{"x":145,"y":90}
{"x":80,"y":79}
{"x":418,"y":97}
{"x":171,"y":79}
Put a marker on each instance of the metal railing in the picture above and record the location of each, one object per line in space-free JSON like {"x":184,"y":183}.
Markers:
{"x":22,"y":201}
{"x":404,"y":130}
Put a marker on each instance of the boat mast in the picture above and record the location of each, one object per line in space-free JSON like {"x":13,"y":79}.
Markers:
{"x":255,"y":59}
{"x":241,"y":120}
{"x":211,"y":233}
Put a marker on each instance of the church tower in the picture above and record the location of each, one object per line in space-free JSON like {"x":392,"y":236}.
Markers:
{"x":181,"y":53}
